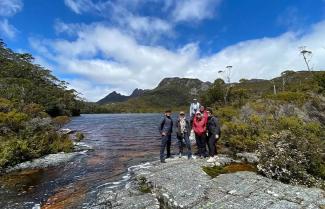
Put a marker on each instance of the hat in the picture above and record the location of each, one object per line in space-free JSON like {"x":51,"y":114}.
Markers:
{"x":198,"y":112}
{"x":194,"y":99}
{"x":182,"y":113}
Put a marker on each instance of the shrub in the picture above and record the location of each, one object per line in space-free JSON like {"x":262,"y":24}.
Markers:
{"x":238,"y":137}
{"x":320,"y":79}
{"x":60,"y":121}
{"x":295,"y":159}
{"x":227,"y":113}
{"x":13,"y":151}
{"x":13,"y":120}
{"x":5,"y":105}
{"x":291,"y":97}
{"x":60,"y":143}
{"x":34,"y":110}
{"x":79,"y":136}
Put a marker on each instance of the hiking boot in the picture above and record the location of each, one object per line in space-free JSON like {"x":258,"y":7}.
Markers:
{"x":180,"y":155}
{"x":162,"y":161}
{"x":211,"y":160}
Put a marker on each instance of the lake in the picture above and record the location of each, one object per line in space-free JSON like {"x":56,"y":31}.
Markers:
{"x":119,"y":141}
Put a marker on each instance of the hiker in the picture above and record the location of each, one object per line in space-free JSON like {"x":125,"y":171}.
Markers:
{"x":199,"y":127}
{"x":195,"y":105}
{"x":165,"y":129}
{"x":203,"y":111}
{"x":213,"y":130}
{"x":182,"y":133}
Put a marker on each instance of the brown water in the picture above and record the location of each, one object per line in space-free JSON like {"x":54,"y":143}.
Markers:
{"x":119,"y":141}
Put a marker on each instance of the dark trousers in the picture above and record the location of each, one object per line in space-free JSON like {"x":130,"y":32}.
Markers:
{"x":165,"y":141}
{"x":212,"y":141}
{"x":201,"y":145}
{"x":184,"y":138}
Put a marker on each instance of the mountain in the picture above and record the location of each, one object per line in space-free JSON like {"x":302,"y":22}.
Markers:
{"x":170,"y":92}
{"x":117,"y":97}
{"x":113,"y":97}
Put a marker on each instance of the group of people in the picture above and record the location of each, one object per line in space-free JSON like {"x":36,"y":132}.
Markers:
{"x":202,"y":125}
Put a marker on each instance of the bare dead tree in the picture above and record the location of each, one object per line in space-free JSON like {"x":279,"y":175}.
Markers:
{"x":306,"y":54}
{"x":227,"y":78}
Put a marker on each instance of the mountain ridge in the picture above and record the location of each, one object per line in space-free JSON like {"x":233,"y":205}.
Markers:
{"x":190,"y":87}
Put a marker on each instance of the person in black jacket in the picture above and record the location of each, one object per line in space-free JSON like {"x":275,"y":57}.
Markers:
{"x":183,"y":130}
{"x":213,"y":132}
{"x":166,"y":130}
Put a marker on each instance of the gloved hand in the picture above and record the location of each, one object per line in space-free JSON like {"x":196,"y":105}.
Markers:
{"x":217,"y":136}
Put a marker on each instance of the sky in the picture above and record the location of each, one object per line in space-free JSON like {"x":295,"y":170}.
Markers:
{"x":100,"y":46}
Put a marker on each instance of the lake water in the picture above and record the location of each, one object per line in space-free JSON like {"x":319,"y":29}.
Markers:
{"x":119,"y":141}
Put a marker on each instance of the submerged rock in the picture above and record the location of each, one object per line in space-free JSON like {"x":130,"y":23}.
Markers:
{"x":181,"y":183}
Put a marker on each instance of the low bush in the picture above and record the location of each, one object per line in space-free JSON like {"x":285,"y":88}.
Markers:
{"x":60,"y":121}
{"x":79,"y":136}
{"x":295,"y":159}
{"x":289,"y":97}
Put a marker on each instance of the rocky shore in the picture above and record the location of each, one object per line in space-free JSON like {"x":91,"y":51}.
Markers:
{"x":51,"y":160}
{"x":181,"y":183}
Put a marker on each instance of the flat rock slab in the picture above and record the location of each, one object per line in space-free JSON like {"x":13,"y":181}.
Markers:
{"x":181,"y":183}
{"x":44,"y":162}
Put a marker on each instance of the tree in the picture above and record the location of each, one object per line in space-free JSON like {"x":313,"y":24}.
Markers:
{"x":306,"y":54}
{"x":227,"y":75}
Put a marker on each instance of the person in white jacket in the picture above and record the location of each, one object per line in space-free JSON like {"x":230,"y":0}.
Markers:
{"x":195,"y":106}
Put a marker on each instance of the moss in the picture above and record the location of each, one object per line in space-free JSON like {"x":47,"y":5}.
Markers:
{"x":143,"y":185}
{"x":215,"y":171}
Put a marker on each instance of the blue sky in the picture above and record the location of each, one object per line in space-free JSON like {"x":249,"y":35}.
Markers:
{"x":103,"y":45}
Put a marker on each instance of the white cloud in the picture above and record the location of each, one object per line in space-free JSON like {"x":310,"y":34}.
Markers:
{"x":86,"y":88}
{"x":10,"y":7}
{"x":7,"y":30}
{"x":107,"y":56}
{"x":195,"y":10}
{"x":80,"y":6}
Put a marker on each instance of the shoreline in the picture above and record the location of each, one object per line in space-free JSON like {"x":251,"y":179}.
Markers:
{"x":49,"y":160}
{"x":181,"y":183}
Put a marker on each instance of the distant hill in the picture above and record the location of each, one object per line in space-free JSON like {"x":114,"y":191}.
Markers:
{"x":113,"y":97}
{"x":117,"y":97}
{"x":170,"y":92}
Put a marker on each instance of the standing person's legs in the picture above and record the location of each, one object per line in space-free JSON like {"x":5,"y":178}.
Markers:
{"x":169,"y":142}
{"x":188,"y":145}
{"x":180,"y":144}
{"x":212,"y":145}
{"x":162,"y":147}
{"x":204,"y":145}
{"x":198,"y":144}
{"x":209,"y":145}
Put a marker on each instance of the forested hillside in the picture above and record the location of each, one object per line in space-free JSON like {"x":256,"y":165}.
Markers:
{"x":34,"y":104}
{"x":24,"y":82}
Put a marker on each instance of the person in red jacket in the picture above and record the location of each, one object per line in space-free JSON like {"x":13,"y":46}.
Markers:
{"x":200,"y":129}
